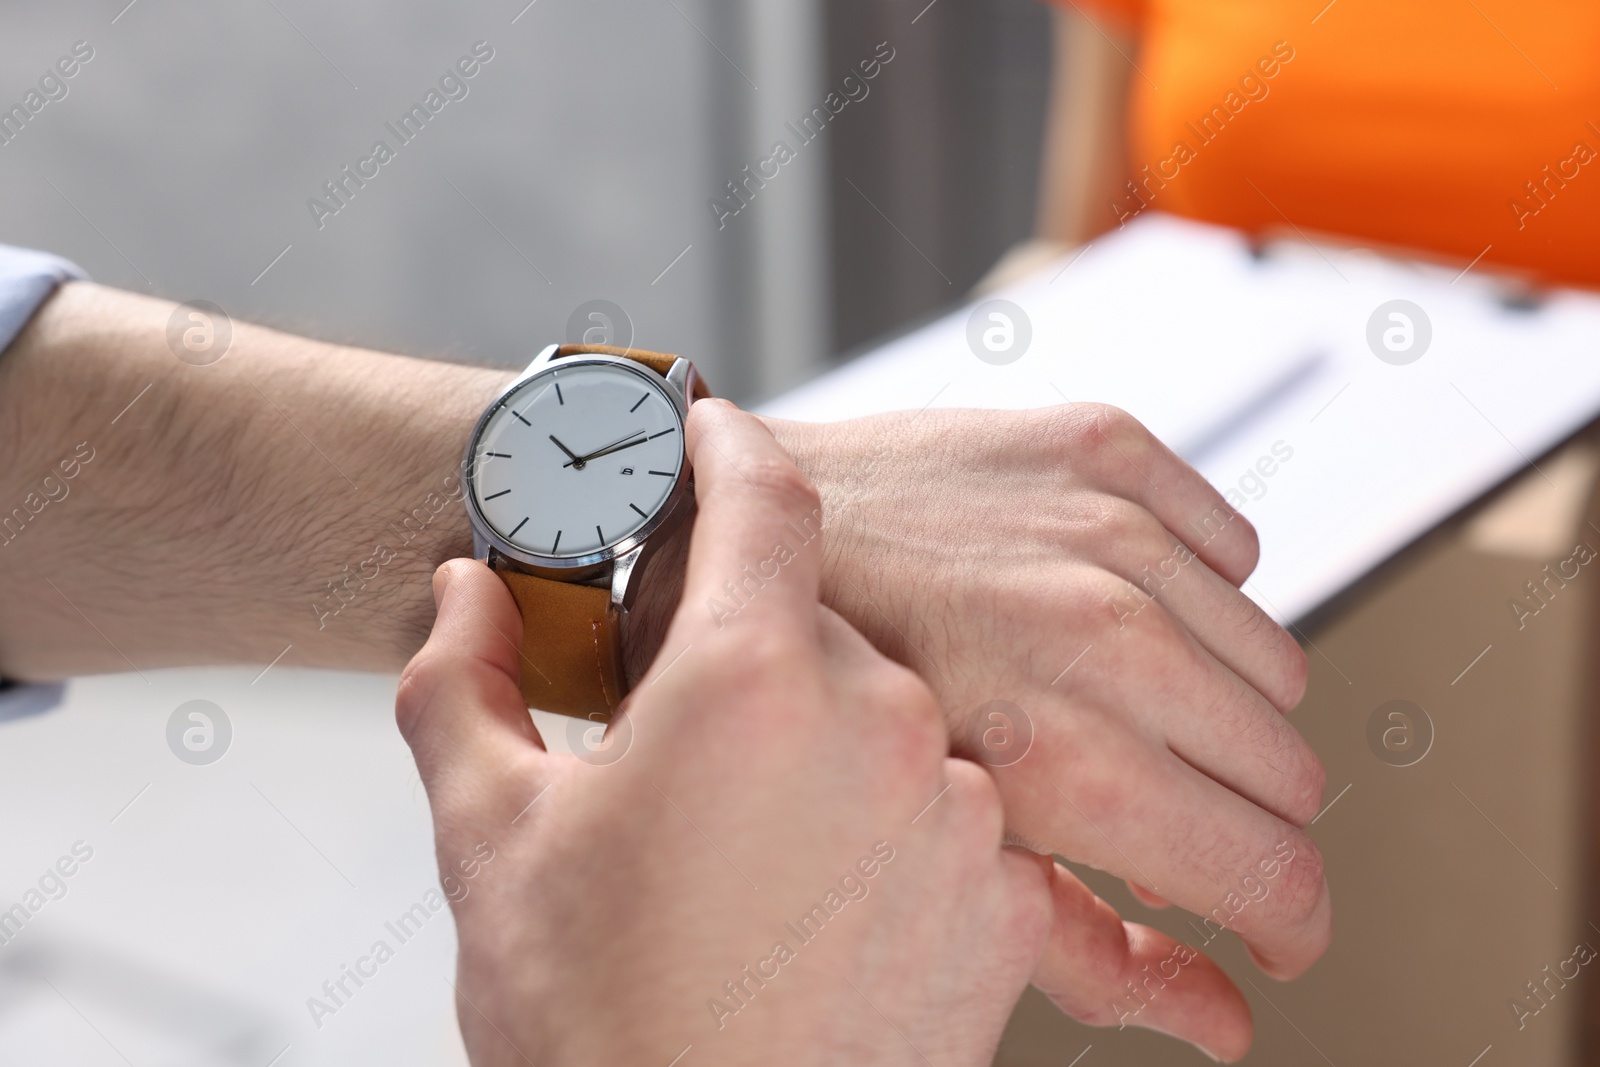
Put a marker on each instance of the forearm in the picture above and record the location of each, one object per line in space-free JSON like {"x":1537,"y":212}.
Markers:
{"x":294,"y":495}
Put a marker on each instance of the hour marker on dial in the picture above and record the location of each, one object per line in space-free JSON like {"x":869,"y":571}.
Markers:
{"x":564,"y":490}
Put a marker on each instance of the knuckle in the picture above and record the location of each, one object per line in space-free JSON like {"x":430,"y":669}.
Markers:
{"x":418,"y":683}
{"x":1034,"y":916}
{"x":1246,"y":617}
{"x":975,"y":802}
{"x":1278,"y":749}
{"x":1188,"y":663}
{"x":1091,"y":773}
{"x":1249,"y":539}
{"x":752,"y":670}
{"x":1116,"y":423}
{"x":1103,"y":970}
{"x":1134,"y":530}
{"x":783,"y":484}
{"x":1233,"y":538}
{"x":1108,"y":601}
{"x":1101,"y":1011}
{"x":899,"y":689}
{"x":1302,"y":778}
{"x":1100,"y":980}
{"x":909,"y":717}
{"x":758,"y":653}
{"x":1097,"y":797}
{"x":1285,"y":667}
{"x":1284,"y":660}
{"x":1312,"y":784}
{"x":1296,"y":669}
{"x":1211,"y":529}
{"x":1106,"y":420}
{"x":1305,"y":879}
{"x":1104,"y":428}
{"x":754,"y":660}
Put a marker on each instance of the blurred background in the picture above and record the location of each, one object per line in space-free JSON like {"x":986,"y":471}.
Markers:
{"x":581,"y":165}
{"x":572,"y":185}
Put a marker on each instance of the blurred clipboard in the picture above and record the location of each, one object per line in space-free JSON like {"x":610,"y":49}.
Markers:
{"x":1346,"y":402}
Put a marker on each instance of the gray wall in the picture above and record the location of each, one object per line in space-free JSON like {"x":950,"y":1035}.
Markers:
{"x":579,"y":166}
{"x":936,"y":174}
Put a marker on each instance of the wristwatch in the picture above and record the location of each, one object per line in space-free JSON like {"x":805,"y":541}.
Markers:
{"x":574,"y":474}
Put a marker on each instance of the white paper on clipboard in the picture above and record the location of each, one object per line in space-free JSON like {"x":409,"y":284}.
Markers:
{"x":1225,"y":354}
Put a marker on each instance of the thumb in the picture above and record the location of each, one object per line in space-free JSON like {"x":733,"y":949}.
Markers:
{"x":459,"y":706}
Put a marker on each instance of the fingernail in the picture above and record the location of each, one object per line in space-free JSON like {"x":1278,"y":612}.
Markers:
{"x":441,"y":581}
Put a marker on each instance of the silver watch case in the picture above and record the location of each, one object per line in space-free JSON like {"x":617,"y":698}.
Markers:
{"x":615,"y":566}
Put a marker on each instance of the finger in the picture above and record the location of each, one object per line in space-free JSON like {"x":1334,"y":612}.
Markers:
{"x":1144,"y":815}
{"x":890,"y":714}
{"x":849,"y":655}
{"x":755,"y":553}
{"x":1106,"y":972}
{"x":1233,"y":736}
{"x":1223,"y":620}
{"x":1127,"y":459}
{"x":969,"y":820}
{"x":1147,"y":898}
{"x":1199,"y":708}
{"x":459,"y":706}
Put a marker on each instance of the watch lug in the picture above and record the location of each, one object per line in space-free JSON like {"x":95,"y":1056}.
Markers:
{"x":545,"y":355}
{"x":624,"y":590}
{"x":681,"y":377}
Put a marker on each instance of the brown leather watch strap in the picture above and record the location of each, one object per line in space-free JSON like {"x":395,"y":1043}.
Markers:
{"x":571,"y":635}
{"x":660,"y":362}
{"x":571,"y":646}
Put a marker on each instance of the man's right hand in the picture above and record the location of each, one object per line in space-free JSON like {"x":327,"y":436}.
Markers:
{"x":782,"y":866}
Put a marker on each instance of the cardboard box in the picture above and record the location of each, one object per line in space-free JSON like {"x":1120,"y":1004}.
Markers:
{"x":1462,"y":878}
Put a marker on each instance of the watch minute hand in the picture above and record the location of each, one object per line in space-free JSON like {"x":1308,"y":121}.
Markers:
{"x":615,"y":446}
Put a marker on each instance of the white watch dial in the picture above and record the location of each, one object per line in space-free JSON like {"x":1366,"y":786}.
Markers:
{"x":578,"y":458}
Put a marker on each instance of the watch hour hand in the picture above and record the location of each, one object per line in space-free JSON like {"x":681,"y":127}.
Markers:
{"x":575,"y":457}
